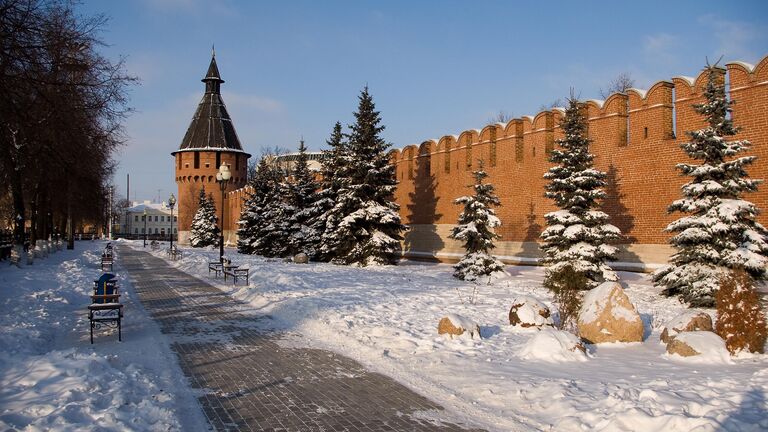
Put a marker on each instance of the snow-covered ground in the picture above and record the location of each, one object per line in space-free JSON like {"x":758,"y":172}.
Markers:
{"x":53,"y":379}
{"x":386,"y":318}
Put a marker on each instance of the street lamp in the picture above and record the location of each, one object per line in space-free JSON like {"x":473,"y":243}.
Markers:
{"x":145,"y":227}
{"x":222,"y":177}
{"x":171,"y":204}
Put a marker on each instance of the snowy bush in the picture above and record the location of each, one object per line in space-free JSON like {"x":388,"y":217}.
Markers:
{"x":577,"y":235}
{"x":475,"y":229}
{"x":740,"y":319}
{"x":719,"y":230}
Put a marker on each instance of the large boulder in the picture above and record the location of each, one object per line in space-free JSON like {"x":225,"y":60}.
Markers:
{"x":529,"y":312}
{"x":686,"y":322}
{"x":301,"y":258}
{"x":607,"y":315}
{"x":553,"y":346}
{"x":705,"y":346}
{"x":457,"y":325}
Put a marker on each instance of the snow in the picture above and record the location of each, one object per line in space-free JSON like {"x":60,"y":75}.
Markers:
{"x":53,"y":379}
{"x":553,"y":346}
{"x":711,"y":348}
{"x":386,"y":318}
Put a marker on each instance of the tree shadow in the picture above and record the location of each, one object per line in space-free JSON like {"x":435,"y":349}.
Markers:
{"x":422,"y":240}
{"x":750,"y":413}
{"x":530,"y":247}
{"x":619,"y":214}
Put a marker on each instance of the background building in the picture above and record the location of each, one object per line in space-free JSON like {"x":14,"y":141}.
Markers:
{"x":158,"y":224}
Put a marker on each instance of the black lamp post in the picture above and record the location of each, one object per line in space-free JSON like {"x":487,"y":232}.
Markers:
{"x":171,"y":204}
{"x":145,"y":227}
{"x":222,"y":177}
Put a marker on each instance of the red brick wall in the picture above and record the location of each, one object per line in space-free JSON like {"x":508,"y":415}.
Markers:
{"x":632,"y":140}
{"x":190,"y":180}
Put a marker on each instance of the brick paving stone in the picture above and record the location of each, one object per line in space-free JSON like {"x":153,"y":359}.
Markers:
{"x":247,"y":381}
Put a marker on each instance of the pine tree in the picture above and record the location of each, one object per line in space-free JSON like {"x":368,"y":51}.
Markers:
{"x":578,"y":234}
{"x":271,"y":236}
{"x":253,"y":218}
{"x":303,"y":194}
{"x":204,"y":230}
{"x":719,"y":230}
{"x":323,"y":228}
{"x":475,"y":229}
{"x":367,"y":228}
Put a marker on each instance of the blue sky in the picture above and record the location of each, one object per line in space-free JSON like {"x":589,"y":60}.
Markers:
{"x":293,"y":68}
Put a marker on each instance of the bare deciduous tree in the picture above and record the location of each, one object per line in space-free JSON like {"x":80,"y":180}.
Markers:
{"x":620,"y":84}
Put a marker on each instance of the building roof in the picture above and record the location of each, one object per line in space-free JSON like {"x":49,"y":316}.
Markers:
{"x":211,"y":127}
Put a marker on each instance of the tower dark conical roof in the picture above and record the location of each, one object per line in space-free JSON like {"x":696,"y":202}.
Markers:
{"x":211,"y":127}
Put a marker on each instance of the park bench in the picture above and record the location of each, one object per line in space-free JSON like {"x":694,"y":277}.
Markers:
{"x":215,"y":266}
{"x":174,"y":253}
{"x":236,"y":272}
{"x":107,"y":262}
{"x":105,"y":308}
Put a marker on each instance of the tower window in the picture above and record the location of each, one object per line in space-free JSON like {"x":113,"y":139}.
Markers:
{"x":197,"y":160}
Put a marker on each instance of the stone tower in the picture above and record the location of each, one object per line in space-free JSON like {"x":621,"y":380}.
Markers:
{"x":210,"y":141}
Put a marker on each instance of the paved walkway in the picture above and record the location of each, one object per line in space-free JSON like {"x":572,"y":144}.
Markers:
{"x":248,"y":381}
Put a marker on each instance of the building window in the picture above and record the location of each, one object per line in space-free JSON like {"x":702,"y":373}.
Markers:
{"x":155,"y":218}
{"x":175,"y":231}
{"x":136,"y":231}
{"x":447,"y":156}
{"x":142,"y":231}
{"x":136,"y":218}
{"x":156,"y":231}
{"x":162,"y":218}
{"x":218,"y":159}
{"x":197,"y":160}
{"x":175,"y":218}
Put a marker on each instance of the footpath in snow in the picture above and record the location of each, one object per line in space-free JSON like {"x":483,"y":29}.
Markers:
{"x":386,"y":318}
{"x":53,"y":379}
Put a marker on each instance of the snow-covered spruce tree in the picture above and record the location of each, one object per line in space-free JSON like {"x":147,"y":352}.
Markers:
{"x":367,"y":228}
{"x":335,"y":163}
{"x":204,"y":230}
{"x":302,"y":194}
{"x":719,"y":231}
{"x":252,"y":218}
{"x":271,"y":239}
{"x":475,"y":229}
{"x":577,"y":235}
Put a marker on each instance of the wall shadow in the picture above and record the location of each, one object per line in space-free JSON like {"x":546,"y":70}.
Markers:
{"x":530,"y":248}
{"x":422,"y":206}
{"x":613,"y":204}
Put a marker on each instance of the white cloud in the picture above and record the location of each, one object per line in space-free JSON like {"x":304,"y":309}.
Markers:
{"x":252,"y":102}
{"x":661,"y":48}
{"x":734,"y":38}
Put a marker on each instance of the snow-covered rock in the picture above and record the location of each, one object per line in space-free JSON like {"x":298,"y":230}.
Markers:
{"x":453,"y":324}
{"x":705,"y":346}
{"x":686,"y":322}
{"x":527,"y":311}
{"x":607,"y":315}
{"x":301,"y":258}
{"x":553,"y":346}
